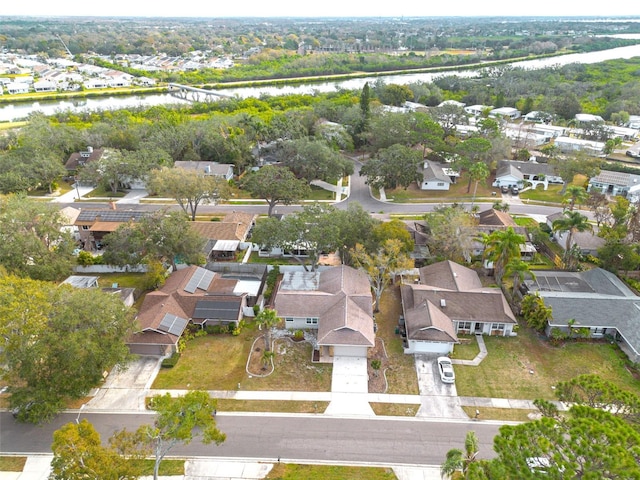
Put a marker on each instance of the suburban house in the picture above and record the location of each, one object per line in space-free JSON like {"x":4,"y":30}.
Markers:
{"x":437,"y":176}
{"x":595,"y":300}
{"x":588,"y":242}
{"x":69,"y":215}
{"x":336,"y":302}
{"x":491,"y":220}
{"x":221,"y":170}
{"x":226,"y":237}
{"x":570,"y":144}
{"x":45,"y":86}
{"x":537,"y":116}
{"x":450,"y":300}
{"x":17,"y":87}
{"x":80,"y":159}
{"x":524,"y":135}
{"x":192,"y":294}
{"x":616,"y":183}
{"x":511,"y":173}
{"x":505,"y":112}
{"x":93,"y":225}
{"x":477,"y":110}
{"x":127,"y":295}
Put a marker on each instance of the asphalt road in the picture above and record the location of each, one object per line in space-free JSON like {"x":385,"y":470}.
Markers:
{"x":359,"y":193}
{"x":300,"y":437}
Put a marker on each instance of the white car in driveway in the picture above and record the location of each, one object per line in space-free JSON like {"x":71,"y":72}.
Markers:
{"x":446,"y":370}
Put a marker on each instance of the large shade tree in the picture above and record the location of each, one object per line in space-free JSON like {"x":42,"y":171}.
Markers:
{"x":180,"y":420}
{"x":164,"y":237}
{"x":276,"y":185}
{"x":34,"y":241}
{"x":78,"y":454}
{"x":189,"y":188}
{"x":382,"y":265}
{"x":393,"y":167}
{"x":50,"y":331}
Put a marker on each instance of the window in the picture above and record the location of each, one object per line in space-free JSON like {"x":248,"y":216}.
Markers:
{"x":312,"y":321}
{"x":441,"y":184}
{"x":288,"y":319}
{"x":464,"y":326}
{"x":85,"y":227}
{"x":598,"y":331}
{"x":497,"y":326}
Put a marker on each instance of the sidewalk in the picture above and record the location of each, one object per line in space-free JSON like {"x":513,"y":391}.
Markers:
{"x":126,"y":390}
{"x":481,"y":355}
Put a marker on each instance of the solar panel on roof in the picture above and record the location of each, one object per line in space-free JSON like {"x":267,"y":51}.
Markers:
{"x":218,"y":309}
{"x":172,"y":324}
{"x":206,"y":280}
{"x":193,"y":281}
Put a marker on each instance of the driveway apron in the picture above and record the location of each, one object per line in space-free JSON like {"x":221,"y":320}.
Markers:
{"x":437,"y":399}
{"x":349,"y":387}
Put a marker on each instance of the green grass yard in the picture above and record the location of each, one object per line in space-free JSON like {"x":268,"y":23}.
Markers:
{"x":527,"y":366}
{"x":290,"y":471}
{"x":218,"y":362}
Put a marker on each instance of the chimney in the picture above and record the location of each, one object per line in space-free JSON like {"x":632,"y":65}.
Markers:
{"x":90,"y":149}
{"x":112,"y":205}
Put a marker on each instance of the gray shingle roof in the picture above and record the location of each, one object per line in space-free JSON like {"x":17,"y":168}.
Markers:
{"x":340,"y":297}
{"x":595,"y":298}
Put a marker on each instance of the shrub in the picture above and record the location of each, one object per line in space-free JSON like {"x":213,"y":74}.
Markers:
{"x":216,"y":329}
{"x":271,"y":282}
{"x":171,"y":361}
{"x":298,"y":334}
{"x":85,"y":258}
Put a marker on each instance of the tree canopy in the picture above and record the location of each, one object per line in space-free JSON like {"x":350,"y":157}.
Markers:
{"x":164,"y":237}
{"x":393,"y":167}
{"x":188,"y":187}
{"x":180,"y":420}
{"x":276,"y":185}
{"x":52,"y":330}
{"x":34,"y":243}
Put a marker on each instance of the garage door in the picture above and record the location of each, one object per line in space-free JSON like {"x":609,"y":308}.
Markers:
{"x":349,"y":351}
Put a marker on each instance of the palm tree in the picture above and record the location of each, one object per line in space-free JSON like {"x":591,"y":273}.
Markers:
{"x":501,"y":247}
{"x":478,"y":172}
{"x":268,"y":319}
{"x":518,"y":270}
{"x":571,"y":223}
{"x":457,"y":460}
{"x":575,"y":195}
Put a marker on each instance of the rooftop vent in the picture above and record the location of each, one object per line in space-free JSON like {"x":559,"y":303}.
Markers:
{"x":443,"y":302}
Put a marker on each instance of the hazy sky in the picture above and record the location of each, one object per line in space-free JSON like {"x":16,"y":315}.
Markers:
{"x":323,"y":8}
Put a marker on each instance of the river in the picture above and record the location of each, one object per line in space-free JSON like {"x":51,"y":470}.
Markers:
{"x":17,"y":111}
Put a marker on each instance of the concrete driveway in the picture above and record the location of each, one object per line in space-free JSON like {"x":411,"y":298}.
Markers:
{"x":126,"y":389}
{"x":349,"y":387}
{"x":437,"y":399}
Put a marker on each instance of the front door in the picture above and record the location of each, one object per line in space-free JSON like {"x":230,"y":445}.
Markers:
{"x":478,"y":328}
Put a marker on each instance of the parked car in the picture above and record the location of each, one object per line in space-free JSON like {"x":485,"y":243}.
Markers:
{"x":633,"y":153}
{"x":504,"y":189}
{"x":515,"y":190}
{"x":446,"y":370}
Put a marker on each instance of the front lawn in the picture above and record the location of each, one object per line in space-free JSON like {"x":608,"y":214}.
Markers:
{"x":527,"y":366}
{"x":218,"y":362}
{"x":290,"y":471}
{"x":456,"y":192}
{"x":12,"y":464}
{"x":292,"y":406}
{"x":467,"y":349}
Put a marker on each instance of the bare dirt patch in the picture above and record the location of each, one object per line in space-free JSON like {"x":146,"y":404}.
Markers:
{"x":377,"y":380}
